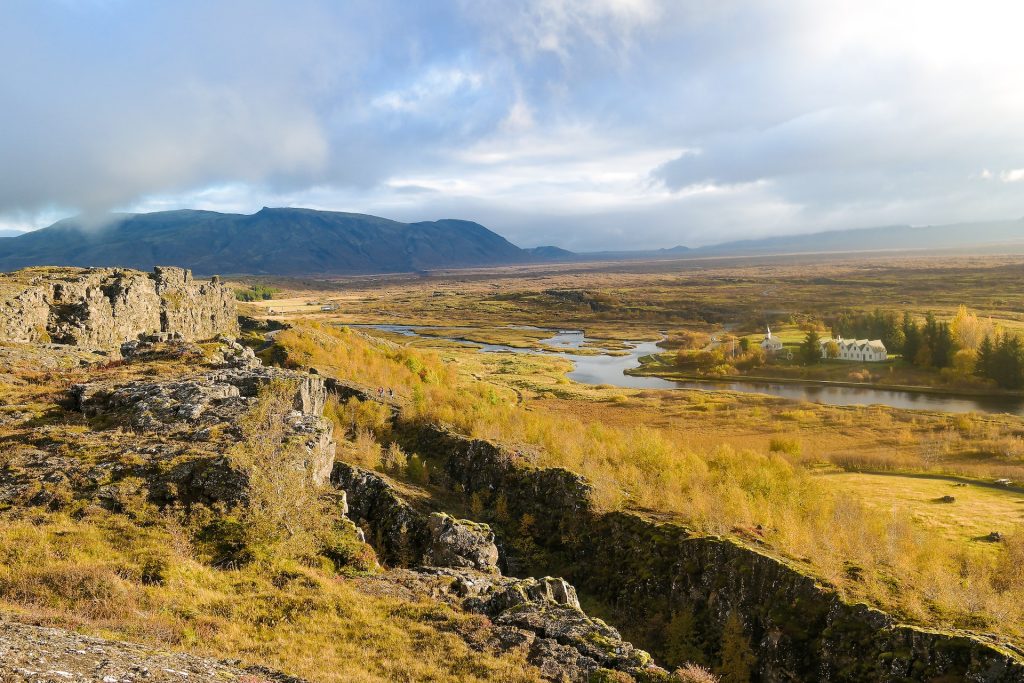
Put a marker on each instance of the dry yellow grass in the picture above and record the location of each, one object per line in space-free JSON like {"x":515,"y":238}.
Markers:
{"x":641,"y":453}
{"x":109,"y":575}
{"x":977,"y":509}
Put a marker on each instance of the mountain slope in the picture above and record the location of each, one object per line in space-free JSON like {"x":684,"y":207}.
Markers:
{"x":898,"y":237}
{"x":278,"y":241}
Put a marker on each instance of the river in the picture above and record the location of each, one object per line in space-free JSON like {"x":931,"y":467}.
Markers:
{"x":610,"y":369}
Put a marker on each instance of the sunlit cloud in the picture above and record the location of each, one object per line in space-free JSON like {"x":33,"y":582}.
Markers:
{"x":594,"y":124}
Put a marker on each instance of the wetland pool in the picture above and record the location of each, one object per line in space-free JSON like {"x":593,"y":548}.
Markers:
{"x":610,"y":369}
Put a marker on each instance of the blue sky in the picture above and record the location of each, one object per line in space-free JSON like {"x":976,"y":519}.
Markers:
{"x":591,"y":124}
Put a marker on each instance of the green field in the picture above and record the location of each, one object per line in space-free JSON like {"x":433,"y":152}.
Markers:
{"x":978,"y":509}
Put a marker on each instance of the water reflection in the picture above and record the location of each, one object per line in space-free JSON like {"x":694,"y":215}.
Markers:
{"x":605,"y":368}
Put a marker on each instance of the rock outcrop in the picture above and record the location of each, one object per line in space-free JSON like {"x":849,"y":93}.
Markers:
{"x":460,"y":543}
{"x":457,"y":560}
{"x":651,"y":573}
{"x":105,"y":307}
{"x":209,"y":406}
{"x":541,"y":617}
{"x":32,"y":654}
{"x":177,"y":442}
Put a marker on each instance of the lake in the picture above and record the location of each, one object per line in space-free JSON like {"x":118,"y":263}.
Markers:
{"x":604,"y":368}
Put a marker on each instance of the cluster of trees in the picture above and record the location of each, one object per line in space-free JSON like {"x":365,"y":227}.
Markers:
{"x":728,"y":357}
{"x":256,"y":293}
{"x":885,"y":325}
{"x":930,"y":345}
{"x":1001,"y":358}
{"x":965,"y":346}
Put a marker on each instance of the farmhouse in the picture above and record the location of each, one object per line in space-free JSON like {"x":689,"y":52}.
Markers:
{"x":771,"y":344}
{"x":871,"y":351}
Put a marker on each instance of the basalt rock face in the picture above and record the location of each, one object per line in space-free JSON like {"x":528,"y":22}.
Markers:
{"x":654,"y":575}
{"x":405,"y":537}
{"x":456,"y":560}
{"x":104,"y":307}
{"x":177,"y":442}
{"x":206,"y":408}
{"x":397,"y":532}
{"x":31,"y":654}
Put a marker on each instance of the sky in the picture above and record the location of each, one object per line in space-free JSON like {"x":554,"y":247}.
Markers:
{"x":588,"y":124}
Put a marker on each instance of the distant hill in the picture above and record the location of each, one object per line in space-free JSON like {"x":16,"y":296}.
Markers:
{"x":982,"y":235}
{"x":271,"y":241}
{"x":550,"y":254}
{"x":307,"y":242}
{"x":895,"y":237}
{"x":10,"y":233}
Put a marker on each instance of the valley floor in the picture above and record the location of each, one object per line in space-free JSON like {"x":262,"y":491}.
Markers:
{"x":830,"y":487}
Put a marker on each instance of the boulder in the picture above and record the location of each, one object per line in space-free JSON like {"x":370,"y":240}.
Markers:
{"x":541,"y":617}
{"x":460,"y":543}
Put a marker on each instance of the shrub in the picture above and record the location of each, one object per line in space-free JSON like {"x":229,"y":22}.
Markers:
{"x":283,"y":514}
{"x":256,"y":293}
{"x":782,"y":445}
{"x":418,"y":470}
{"x":693,"y":673}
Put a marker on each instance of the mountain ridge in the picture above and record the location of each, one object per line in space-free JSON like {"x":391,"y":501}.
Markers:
{"x":277,"y":241}
{"x":299,"y":241}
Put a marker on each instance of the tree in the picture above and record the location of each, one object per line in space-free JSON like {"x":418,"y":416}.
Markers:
{"x":968,"y":329}
{"x":810,"y":349}
{"x":943,"y":346}
{"x":738,"y":659}
{"x":682,"y":640}
{"x":983,"y":363}
{"x":964,"y":362}
{"x":911,"y":338}
{"x":832,"y":349}
{"x":1008,"y":363}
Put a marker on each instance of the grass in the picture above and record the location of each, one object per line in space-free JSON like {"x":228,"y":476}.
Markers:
{"x":269,"y":584}
{"x":723,"y":463}
{"x":977,"y":511}
{"x":638,"y":300}
{"x":107,"y":575}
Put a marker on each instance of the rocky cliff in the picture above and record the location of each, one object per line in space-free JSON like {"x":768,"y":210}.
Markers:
{"x":177,"y":449}
{"x":104,"y":307}
{"x":458,"y":560}
{"x":678,"y":591}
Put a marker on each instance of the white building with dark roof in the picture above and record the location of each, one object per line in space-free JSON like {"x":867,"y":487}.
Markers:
{"x":864,"y":350}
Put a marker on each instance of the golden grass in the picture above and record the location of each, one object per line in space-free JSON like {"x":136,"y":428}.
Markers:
{"x":638,"y":456}
{"x":977,"y":510}
{"x":107,"y":575}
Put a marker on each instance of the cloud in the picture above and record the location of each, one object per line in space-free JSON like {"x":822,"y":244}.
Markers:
{"x":586,"y":123}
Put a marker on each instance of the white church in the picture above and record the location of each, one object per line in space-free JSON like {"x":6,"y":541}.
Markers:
{"x":872,"y":351}
{"x":770,"y":344}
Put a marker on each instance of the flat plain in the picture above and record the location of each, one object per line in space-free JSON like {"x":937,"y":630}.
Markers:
{"x":828,"y":487}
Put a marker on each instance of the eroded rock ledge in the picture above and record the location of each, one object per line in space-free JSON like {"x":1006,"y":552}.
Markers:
{"x":104,"y":307}
{"x":176,"y":448}
{"x":651,"y":573}
{"x":456,"y":560}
